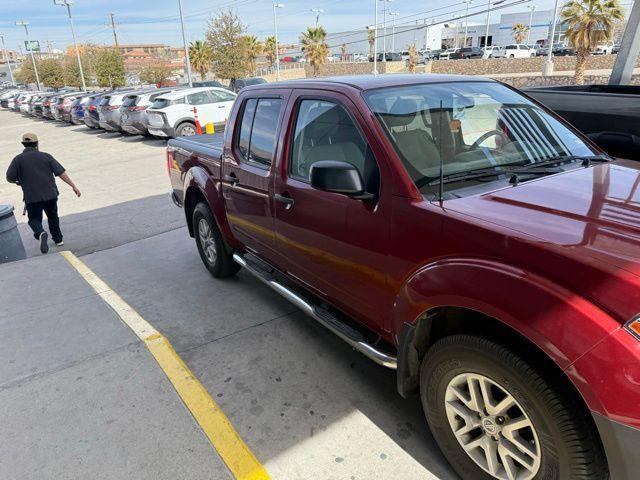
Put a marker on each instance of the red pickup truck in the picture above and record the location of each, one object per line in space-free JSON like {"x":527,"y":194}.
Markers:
{"x":453,"y":229}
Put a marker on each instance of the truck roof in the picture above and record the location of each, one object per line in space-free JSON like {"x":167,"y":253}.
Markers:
{"x":368,"y":82}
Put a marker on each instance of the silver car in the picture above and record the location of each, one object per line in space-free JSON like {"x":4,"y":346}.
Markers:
{"x":134,"y":110}
{"x":109,"y":110}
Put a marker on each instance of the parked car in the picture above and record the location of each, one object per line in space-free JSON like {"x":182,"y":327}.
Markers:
{"x":360,"y":57}
{"x":38,"y":106}
{"x":516,"y":50}
{"x":451,"y":229}
{"x":430,"y":55}
{"x":390,"y":57}
{"x":172,"y":115}
{"x":536,"y":47}
{"x":616,"y":48}
{"x":563,"y":51}
{"x":49,"y":105}
{"x":209,"y":83}
{"x":607,"y":114}
{"x":240,"y":83}
{"x":78,"y":108}
{"x":134,"y":110}
{"x":488,"y":52}
{"x":91,"y":116}
{"x":25,"y":104}
{"x":109,"y":110}
{"x":447,"y":53}
{"x":467,"y":52}
{"x":604,"y":49}
{"x":63,"y":107}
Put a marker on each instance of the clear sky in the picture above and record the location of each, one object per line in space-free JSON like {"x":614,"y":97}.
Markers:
{"x":157,"y":21}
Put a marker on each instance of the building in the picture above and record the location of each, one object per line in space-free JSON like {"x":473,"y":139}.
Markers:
{"x":138,"y":56}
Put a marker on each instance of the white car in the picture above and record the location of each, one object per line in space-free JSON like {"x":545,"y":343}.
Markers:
{"x":491,"y":51}
{"x":172,"y":114}
{"x":604,"y":49}
{"x":447,"y":53}
{"x":515,"y":51}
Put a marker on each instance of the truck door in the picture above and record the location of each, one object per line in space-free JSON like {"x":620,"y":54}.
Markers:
{"x":335,"y":244}
{"x":246,"y":178}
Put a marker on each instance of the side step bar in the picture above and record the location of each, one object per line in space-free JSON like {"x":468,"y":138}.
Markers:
{"x":326,"y":318}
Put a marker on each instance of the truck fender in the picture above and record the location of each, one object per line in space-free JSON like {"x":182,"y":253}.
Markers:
{"x":198,"y":182}
{"x":560,"y":323}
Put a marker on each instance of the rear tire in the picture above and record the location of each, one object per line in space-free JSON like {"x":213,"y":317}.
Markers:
{"x":542,"y":417}
{"x":211,"y":247}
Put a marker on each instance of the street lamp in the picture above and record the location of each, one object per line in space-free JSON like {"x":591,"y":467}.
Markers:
{"x":317,"y":11}
{"x":548,"y":66}
{"x":6,"y":57}
{"x":184,"y":45}
{"x":466,"y":21}
{"x":393,"y":16}
{"x":68,"y":3}
{"x":384,"y":32}
{"x":275,"y":28}
{"x":486,"y":35}
{"x":22,"y":23}
{"x":532,"y":9}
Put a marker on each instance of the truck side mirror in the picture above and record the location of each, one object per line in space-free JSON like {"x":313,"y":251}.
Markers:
{"x":338,"y":177}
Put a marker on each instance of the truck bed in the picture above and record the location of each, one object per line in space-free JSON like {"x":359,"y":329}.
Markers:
{"x":209,"y":145}
{"x":608,"y":114}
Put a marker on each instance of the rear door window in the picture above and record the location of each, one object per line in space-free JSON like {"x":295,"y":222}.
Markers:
{"x":257,"y":136}
{"x":244,"y":137}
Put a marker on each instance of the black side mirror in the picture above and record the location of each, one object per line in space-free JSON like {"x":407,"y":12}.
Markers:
{"x":338,"y":177}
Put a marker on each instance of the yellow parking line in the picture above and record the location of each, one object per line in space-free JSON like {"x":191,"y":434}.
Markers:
{"x":214,"y":423}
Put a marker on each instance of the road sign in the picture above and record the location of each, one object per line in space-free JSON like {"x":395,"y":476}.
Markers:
{"x":32,"y":45}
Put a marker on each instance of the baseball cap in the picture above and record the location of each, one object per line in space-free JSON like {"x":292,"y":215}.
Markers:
{"x":29,"y":138}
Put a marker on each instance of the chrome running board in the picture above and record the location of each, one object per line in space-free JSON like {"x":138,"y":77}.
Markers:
{"x":326,"y":318}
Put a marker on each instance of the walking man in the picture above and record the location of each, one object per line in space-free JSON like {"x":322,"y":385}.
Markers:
{"x":35,"y":172}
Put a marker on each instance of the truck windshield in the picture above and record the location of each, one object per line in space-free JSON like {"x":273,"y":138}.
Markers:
{"x":467,"y":127}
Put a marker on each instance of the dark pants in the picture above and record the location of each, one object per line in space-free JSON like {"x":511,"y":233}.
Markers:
{"x":50,"y":208}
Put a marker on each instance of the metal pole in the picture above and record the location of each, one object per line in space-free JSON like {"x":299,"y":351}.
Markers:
{"x":549,"y":64}
{"x":275,"y":28}
{"x":629,"y":49}
{"x":486,"y":35}
{"x":532,"y":8}
{"x":466,"y":22}
{"x":33,"y":59}
{"x":75,"y":43}
{"x":375,"y":39}
{"x":6,"y":56}
{"x":184,"y":43}
{"x":384,"y":31}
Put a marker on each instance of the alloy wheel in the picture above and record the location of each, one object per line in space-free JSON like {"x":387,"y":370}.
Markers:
{"x":188,"y":131}
{"x":492,"y":427}
{"x":207,"y":241}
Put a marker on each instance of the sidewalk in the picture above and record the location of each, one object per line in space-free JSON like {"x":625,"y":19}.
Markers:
{"x":80,"y":395}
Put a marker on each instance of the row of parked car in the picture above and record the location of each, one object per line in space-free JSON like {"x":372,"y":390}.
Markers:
{"x":162,"y":112}
{"x":514,"y":51}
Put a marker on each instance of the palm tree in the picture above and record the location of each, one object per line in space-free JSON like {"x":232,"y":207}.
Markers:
{"x":253,"y":49}
{"x":372,"y":41}
{"x":270,"y":50}
{"x":314,"y":47}
{"x":200,"y":55}
{"x":412,"y":58}
{"x":519,"y":31}
{"x":589,"y":23}
{"x":343,"y":52}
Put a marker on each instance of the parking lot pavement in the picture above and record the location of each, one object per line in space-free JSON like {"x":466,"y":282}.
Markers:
{"x":80,"y":395}
{"x":305,"y":403}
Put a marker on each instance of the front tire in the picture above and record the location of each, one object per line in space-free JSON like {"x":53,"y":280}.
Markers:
{"x":211,"y":247}
{"x":495,"y":417}
{"x":186,"y":129}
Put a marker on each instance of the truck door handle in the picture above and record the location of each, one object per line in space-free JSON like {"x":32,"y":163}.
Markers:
{"x":286,"y":199}
{"x":231,"y":178}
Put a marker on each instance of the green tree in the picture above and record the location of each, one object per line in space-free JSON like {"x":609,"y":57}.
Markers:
{"x":156,"y":74}
{"x":52,"y":73}
{"x":589,"y":23}
{"x":109,"y":68}
{"x":201,"y":56}
{"x":519,"y":32}
{"x":372,"y":41}
{"x":26,"y":73}
{"x":72,"y":72}
{"x":224,"y":35}
{"x":314,"y":47}
{"x":270,"y":50}
{"x":253,"y":49}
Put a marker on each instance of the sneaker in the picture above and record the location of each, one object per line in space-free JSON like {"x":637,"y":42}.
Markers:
{"x":44,"y":247}
{"x":60,"y":243}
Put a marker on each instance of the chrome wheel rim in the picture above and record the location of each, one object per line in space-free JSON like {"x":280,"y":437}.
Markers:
{"x":188,"y":131}
{"x":207,"y":241}
{"x":492,"y":427}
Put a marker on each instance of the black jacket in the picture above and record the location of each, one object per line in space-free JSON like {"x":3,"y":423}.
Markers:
{"x":35,"y":172}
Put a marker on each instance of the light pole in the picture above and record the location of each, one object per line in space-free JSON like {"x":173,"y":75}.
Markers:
{"x":486,"y":35}
{"x":384,"y":30}
{"x":6,"y":57}
{"x":548,"y":66}
{"x":393,"y":16}
{"x":317,"y":11}
{"x":533,"y":9}
{"x":375,"y":38}
{"x":275,"y":29}
{"x":184,"y":44}
{"x":68,"y":3}
{"x":22,"y":23}
{"x":466,"y":21}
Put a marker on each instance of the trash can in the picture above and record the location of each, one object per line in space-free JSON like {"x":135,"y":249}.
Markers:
{"x":11,"y":247}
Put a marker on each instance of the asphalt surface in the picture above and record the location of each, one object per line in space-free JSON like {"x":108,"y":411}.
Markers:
{"x":82,"y":398}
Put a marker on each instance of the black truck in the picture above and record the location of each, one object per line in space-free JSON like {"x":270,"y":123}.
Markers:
{"x":608,"y":114}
